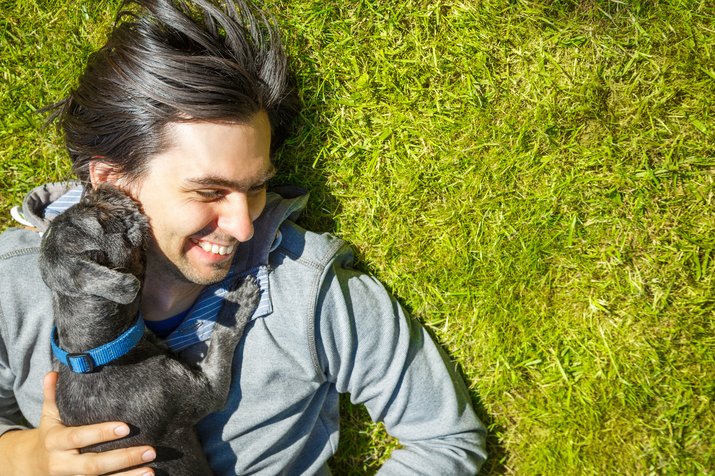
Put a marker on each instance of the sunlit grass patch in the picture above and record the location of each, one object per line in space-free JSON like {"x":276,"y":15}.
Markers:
{"x":534,"y":181}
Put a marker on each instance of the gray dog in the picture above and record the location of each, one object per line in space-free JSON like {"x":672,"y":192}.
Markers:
{"x":93,"y":258}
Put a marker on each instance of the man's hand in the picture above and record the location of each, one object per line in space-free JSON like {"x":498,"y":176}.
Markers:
{"x":53,"y":448}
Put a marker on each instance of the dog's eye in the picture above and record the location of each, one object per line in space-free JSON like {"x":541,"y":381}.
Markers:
{"x":96,"y":256}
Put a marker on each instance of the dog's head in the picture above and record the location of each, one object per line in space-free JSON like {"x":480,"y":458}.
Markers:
{"x":97,"y":247}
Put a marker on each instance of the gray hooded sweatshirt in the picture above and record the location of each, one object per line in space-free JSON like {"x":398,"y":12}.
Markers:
{"x":325,"y":329}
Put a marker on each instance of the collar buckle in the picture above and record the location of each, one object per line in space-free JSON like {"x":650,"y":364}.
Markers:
{"x":81,"y":362}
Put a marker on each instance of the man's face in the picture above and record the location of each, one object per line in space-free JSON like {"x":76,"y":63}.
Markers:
{"x":202,"y":196}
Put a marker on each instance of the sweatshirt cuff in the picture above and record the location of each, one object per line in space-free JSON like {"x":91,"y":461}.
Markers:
{"x":4,"y":428}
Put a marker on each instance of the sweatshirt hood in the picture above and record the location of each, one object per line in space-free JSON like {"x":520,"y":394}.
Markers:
{"x":39,"y":198}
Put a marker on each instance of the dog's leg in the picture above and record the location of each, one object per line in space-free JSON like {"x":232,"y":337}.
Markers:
{"x":239,"y":305}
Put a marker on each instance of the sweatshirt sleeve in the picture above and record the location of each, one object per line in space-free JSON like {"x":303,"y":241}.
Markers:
{"x":10,"y":415}
{"x":369,"y":348}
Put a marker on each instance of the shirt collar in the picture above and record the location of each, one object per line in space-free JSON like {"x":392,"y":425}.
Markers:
{"x":200,"y":321}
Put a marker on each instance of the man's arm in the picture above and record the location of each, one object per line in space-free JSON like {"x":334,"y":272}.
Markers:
{"x":53,"y":448}
{"x":387,"y":361}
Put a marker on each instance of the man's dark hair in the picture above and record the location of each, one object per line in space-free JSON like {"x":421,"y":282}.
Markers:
{"x":175,"y":61}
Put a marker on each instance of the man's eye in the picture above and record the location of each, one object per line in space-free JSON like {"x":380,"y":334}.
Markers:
{"x":210,"y":194}
{"x":255,"y":190}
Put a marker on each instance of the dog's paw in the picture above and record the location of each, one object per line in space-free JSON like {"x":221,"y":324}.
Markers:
{"x":246,"y":291}
{"x":240,"y":302}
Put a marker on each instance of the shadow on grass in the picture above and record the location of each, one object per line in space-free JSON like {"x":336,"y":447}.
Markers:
{"x":496,"y":452}
{"x":363,"y":445}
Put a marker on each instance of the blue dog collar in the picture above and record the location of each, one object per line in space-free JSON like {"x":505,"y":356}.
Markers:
{"x":85,"y":362}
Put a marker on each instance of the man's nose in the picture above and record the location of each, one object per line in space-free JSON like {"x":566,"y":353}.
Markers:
{"x":235,"y":217}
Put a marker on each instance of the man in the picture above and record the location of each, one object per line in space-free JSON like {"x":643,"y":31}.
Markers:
{"x":182,"y":109}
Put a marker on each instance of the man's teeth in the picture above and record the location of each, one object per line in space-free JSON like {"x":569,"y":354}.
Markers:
{"x":215,"y":249}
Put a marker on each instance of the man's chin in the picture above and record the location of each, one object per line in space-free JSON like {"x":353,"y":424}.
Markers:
{"x":190,"y":270}
{"x":207,"y":276}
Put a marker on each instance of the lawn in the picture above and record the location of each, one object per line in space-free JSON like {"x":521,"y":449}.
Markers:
{"x":533,"y":180}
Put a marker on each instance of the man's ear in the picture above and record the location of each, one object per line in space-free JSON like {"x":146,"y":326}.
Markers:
{"x":102,"y":172}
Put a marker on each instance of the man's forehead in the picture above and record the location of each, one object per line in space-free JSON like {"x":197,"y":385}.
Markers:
{"x":217,"y":153}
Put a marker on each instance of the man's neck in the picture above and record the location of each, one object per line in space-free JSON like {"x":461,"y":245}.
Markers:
{"x":162,"y":299}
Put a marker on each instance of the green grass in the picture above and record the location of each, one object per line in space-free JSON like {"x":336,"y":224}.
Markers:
{"x":533,"y":180}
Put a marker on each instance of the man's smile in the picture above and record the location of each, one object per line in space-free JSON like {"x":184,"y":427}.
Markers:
{"x":214,"y":248}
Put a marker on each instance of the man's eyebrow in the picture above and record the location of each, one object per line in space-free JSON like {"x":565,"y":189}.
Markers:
{"x":218,"y":181}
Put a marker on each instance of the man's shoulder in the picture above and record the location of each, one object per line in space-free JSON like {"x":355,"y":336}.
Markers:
{"x":314,"y":249}
{"x":22,"y":291}
{"x":18,"y":242}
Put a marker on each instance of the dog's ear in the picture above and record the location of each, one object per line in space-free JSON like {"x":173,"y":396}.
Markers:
{"x":109,"y":284}
{"x":80,"y":277}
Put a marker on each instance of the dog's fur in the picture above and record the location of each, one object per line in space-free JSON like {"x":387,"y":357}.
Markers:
{"x":93,"y":258}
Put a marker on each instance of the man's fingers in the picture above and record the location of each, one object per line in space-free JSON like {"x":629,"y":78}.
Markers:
{"x":63,"y":438}
{"x":115,"y":460}
{"x":136,"y":472}
{"x":49,"y":387}
{"x":60,"y":437}
{"x":64,"y":442}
